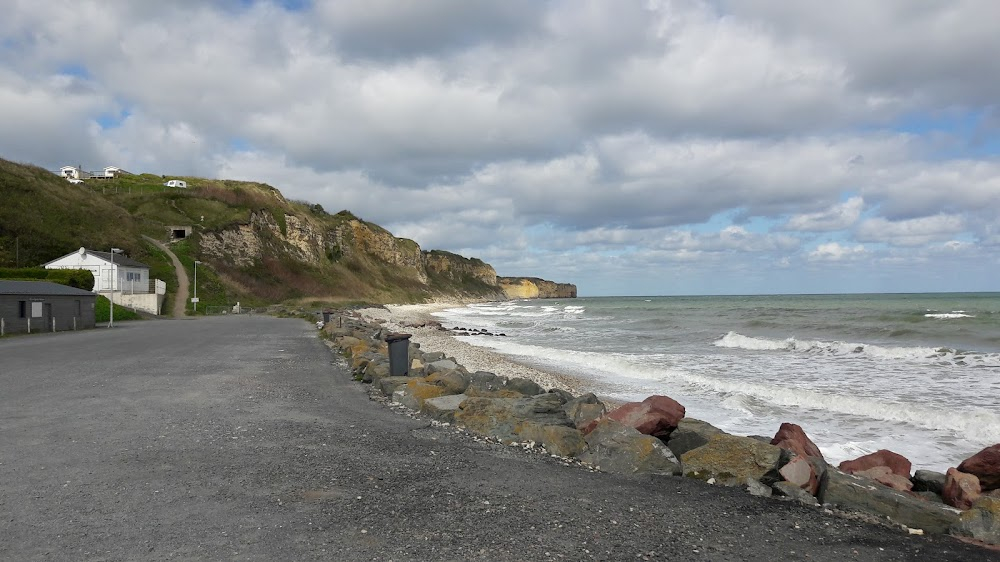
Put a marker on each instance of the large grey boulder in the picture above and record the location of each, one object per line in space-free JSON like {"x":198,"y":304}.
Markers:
{"x":731,"y":460}
{"x":486,"y":381}
{"x":856,"y":493}
{"x":389,"y":385}
{"x":585,"y":409}
{"x":439,"y":366}
{"x":615,"y":447}
{"x":557,"y":439}
{"x":526,"y":387}
{"x":981,"y":521}
{"x":690,"y":434}
{"x":501,"y":417}
{"x":928,"y":481}
{"x":443,"y":408}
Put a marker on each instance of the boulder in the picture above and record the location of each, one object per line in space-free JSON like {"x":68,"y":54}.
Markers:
{"x":981,"y":522}
{"x":414,"y":392}
{"x":615,"y":447}
{"x":928,"y":481}
{"x":584,"y":409}
{"x":375,"y":371}
{"x":389,"y":385}
{"x":656,"y":416}
{"x":557,"y":439}
{"x":524,"y":386}
{"x":897,"y":463}
{"x":439,"y":366}
{"x":790,"y":490}
{"x":855,"y":493}
{"x":564,"y":395}
{"x":453,"y":382}
{"x":689,"y":435}
{"x":443,"y":408}
{"x":986,"y":466}
{"x":791,"y":437}
{"x":731,"y":460}
{"x":433,"y":356}
{"x":801,"y":473}
{"x":500,"y":417}
{"x":961,"y":490}
{"x":884,"y":475}
{"x":486,"y":381}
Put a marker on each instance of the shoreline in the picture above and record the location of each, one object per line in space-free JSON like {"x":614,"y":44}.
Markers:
{"x":401,"y":317}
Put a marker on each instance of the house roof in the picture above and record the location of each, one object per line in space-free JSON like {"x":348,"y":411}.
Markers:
{"x":120,"y":259}
{"x":40,"y":288}
{"x":106,"y":256}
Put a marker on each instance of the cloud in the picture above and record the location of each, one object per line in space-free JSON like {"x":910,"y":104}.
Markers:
{"x":835,"y":252}
{"x":912,"y":232}
{"x":838,"y":217}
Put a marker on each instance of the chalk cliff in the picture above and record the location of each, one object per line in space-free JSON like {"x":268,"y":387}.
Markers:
{"x":535,"y":288}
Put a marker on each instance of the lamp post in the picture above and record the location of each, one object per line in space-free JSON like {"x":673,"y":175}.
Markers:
{"x":111,"y":319}
{"x":194,"y":301}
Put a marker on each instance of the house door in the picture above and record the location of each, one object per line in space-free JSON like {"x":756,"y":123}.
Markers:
{"x":47,"y":315}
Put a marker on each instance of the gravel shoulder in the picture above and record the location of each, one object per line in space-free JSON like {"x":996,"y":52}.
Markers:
{"x":244,"y":438}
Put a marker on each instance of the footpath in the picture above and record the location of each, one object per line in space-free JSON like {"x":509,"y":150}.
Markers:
{"x":241,"y":437}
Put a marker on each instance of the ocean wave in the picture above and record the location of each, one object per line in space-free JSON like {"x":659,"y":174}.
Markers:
{"x":948,"y":315}
{"x":974,"y":423}
{"x":734,"y":340}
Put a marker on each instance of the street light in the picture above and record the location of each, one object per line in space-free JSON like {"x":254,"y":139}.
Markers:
{"x":111,"y":320}
{"x":194,"y":301}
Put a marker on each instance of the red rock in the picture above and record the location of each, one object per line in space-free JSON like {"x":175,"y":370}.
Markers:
{"x":986,"y":466}
{"x":961,"y":490}
{"x":800,"y":472}
{"x":897,"y":463}
{"x":884,"y":475}
{"x":656,"y":416}
{"x":793,"y":438}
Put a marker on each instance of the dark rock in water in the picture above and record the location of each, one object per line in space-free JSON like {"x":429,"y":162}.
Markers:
{"x":986,"y":466}
{"x":690,"y":434}
{"x":897,"y":463}
{"x":615,"y":447}
{"x":656,"y":415}
{"x":731,"y":460}
{"x":981,"y":521}
{"x":961,"y":490}
{"x":928,"y":481}
{"x":861,"y":494}
{"x":792,"y":437}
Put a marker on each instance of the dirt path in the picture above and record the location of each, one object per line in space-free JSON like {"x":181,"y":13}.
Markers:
{"x":180,"y":299}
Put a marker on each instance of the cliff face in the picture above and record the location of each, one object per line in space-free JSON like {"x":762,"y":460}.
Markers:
{"x":535,"y":288}
{"x":356,"y":239}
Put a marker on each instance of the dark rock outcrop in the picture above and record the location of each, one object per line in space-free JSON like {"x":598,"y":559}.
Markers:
{"x":615,"y":447}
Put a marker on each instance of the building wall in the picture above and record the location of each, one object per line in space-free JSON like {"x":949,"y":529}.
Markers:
{"x":69,"y":311}
{"x":128,"y":279}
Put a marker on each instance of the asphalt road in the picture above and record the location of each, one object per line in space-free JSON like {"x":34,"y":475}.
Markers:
{"x":243,"y":438}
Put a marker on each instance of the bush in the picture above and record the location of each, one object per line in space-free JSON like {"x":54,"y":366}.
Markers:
{"x":79,"y":278}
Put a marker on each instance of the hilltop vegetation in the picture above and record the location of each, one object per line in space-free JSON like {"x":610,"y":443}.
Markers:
{"x":255,"y":246}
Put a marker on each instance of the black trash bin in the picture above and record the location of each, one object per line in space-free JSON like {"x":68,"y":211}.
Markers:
{"x":399,"y":354}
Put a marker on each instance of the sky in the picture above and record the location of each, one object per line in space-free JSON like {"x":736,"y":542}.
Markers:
{"x":629,"y":147}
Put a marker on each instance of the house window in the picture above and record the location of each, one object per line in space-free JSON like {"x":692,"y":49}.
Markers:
{"x":79,"y":309}
{"x":22,"y":307}
{"x":36,"y":310}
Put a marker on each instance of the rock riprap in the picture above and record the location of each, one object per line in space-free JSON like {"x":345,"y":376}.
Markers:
{"x":654,"y":436}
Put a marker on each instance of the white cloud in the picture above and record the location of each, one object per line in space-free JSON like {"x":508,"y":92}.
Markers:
{"x":838,"y":217}
{"x":834,"y":251}
{"x":912,"y":232}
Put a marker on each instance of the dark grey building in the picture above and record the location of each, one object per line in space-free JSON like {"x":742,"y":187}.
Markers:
{"x":40,"y":306}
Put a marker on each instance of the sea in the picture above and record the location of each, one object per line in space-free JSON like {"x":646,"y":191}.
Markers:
{"x":918,"y":374}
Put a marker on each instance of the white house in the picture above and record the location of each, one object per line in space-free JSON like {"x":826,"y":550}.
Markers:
{"x":74,"y":173}
{"x":176,"y":183}
{"x":128,"y":275}
{"x":113,"y":171}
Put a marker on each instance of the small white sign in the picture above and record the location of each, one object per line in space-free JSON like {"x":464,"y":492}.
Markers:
{"x":194,"y":299}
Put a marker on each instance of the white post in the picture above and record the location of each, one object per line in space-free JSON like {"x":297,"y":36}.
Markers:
{"x":53,"y":323}
{"x":195,"y":302}
{"x":111,"y":318}
{"x":1,"y":326}
{"x":29,"y":324}
{"x":74,"y":323}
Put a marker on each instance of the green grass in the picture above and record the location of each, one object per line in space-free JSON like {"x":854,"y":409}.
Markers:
{"x":102,"y":311}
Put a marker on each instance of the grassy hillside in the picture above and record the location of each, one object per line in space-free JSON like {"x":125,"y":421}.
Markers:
{"x":255,"y":246}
